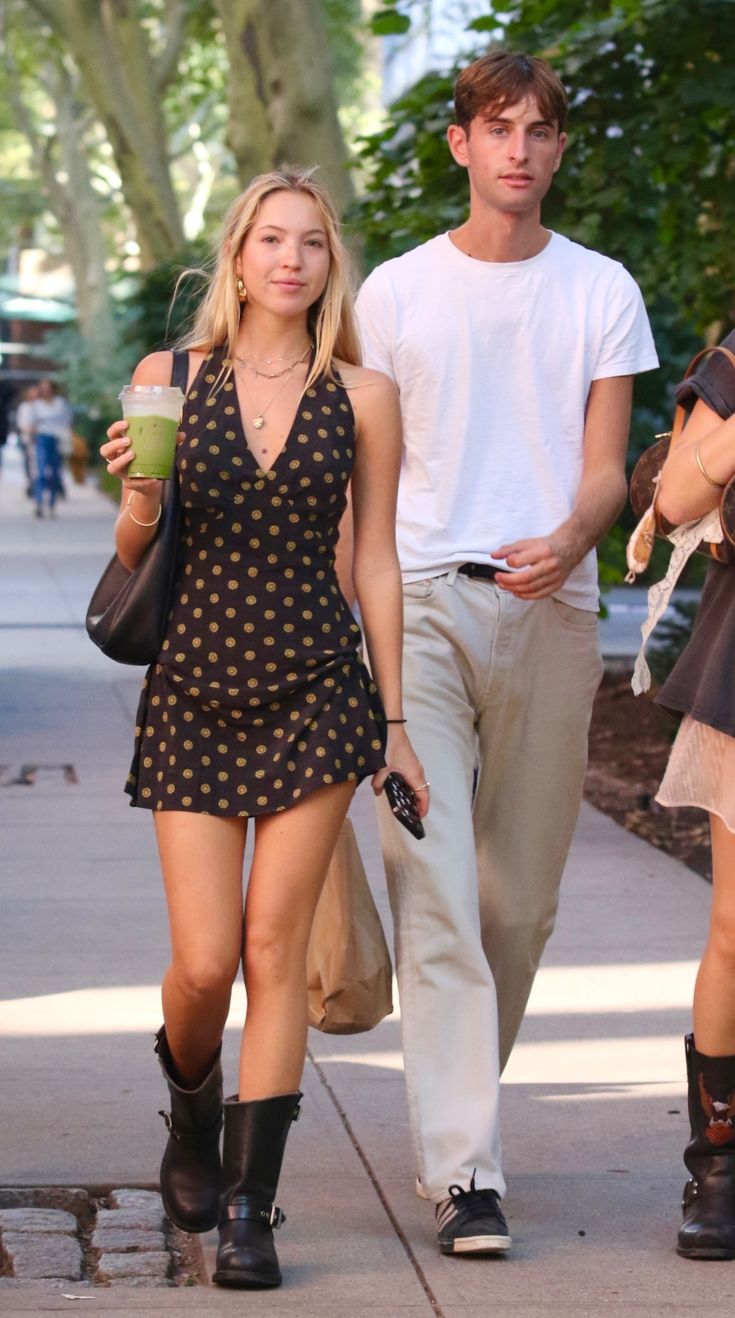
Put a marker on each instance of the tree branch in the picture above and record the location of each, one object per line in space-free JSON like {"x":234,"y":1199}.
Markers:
{"x":175,"y":32}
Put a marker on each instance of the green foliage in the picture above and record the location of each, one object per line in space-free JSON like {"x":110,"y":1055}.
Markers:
{"x":345,"y":35}
{"x":648,"y":175}
{"x":413,"y":188}
{"x":162,"y":304}
{"x":389,"y":21}
{"x":92,"y":390}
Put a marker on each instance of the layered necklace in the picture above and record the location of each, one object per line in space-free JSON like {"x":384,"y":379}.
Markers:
{"x":285,"y":373}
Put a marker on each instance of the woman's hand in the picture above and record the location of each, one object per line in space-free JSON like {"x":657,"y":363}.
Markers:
{"x":118,"y":454}
{"x":400,"y":757}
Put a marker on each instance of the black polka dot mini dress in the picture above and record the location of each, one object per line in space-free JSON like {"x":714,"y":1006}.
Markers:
{"x":259,"y":694}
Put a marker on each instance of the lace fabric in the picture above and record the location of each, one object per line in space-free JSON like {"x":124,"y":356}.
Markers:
{"x":684,"y":539}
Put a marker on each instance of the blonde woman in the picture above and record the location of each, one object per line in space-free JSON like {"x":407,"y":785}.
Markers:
{"x":259,"y":705}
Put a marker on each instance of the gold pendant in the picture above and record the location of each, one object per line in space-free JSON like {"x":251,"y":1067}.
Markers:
{"x":258,"y":422}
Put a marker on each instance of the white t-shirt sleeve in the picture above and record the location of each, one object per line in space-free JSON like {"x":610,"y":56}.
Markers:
{"x":626,"y":346}
{"x":24,"y":417}
{"x":376,"y":322}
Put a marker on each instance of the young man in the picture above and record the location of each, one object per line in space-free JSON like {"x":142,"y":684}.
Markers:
{"x":513,"y":350}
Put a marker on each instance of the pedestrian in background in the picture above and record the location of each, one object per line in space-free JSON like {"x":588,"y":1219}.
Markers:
{"x":701,"y":772}
{"x":4,"y":418}
{"x":513,"y":350}
{"x":50,"y":418}
{"x":259,"y":705}
{"x":24,"y":431}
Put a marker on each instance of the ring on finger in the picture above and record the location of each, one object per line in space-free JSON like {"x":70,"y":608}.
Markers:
{"x":424,"y":787}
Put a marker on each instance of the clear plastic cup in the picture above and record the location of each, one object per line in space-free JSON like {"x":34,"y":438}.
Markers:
{"x":153,"y":413}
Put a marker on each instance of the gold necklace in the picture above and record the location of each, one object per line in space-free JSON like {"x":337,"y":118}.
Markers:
{"x":272,"y":375}
{"x":268,"y":360}
{"x":258,"y":421}
{"x":266,"y":375}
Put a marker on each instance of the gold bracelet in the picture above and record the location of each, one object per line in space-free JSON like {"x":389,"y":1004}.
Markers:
{"x":719,"y":485}
{"x":132,"y":516}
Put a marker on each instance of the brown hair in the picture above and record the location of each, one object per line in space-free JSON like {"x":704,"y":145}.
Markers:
{"x":503,"y":78}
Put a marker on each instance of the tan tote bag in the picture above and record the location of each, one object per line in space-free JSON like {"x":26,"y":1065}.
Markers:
{"x":349,"y":975}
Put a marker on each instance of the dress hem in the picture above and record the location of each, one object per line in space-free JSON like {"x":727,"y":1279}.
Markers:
{"x":306,"y":790}
{"x":685,"y":804}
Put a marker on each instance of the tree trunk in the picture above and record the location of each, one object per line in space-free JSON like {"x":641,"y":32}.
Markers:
{"x":249,"y":132}
{"x":282,"y":106}
{"x":301,"y":98}
{"x":66,"y":180}
{"x":78,"y":211}
{"x":112,"y":52}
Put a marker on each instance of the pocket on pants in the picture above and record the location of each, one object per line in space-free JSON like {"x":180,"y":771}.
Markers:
{"x":577,"y":620}
{"x":418,"y":590}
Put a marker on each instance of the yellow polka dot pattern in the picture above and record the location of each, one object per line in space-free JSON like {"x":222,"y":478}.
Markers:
{"x":259,"y":694}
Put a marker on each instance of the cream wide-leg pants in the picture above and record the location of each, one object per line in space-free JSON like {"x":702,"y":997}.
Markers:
{"x":498,"y":694}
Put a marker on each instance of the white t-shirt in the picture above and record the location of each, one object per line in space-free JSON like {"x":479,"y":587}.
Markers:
{"x":24,"y":418}
{"x":494,"y":363}
{"x":51,"y":416}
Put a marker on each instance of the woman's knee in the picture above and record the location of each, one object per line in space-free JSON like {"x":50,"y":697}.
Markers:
{"x":721,"y":943}
{"x":203,"y":977}
{"x":271,"y":957}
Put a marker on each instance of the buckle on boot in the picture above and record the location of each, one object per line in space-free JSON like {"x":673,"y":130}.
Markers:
{"x":244,"y":1208}
{"x":170,"y":1127}
{"x":691,"y":1192}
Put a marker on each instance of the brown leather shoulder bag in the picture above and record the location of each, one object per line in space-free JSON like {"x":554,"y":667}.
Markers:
{"x":644,"y":480}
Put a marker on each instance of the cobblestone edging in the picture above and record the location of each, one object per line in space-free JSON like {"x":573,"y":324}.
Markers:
{"x":70,"y":1236}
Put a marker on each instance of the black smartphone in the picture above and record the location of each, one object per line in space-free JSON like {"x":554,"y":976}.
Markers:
{"x":402,"y":801}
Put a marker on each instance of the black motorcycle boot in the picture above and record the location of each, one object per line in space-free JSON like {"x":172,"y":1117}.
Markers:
{"x":708,"y":1203}
{"x":191,"y":1170}
{"x":254,"y":1144}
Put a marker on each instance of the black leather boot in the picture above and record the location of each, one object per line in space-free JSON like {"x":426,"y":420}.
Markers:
{"x":191,"y":1170}
{"x":708,"y":1229}
{"x":255,"y":1141}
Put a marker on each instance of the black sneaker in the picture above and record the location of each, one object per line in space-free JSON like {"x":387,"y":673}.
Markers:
{"x":471,"y":1222}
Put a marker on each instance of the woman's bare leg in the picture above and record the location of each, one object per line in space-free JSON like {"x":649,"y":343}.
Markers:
{"x":202,"y":861}
{"x":292,"y":854}
{"x":714,"y":993}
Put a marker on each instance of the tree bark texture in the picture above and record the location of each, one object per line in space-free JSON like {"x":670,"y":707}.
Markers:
{"x":112,"y":52}
{"x":282,"y":107}
{"x":66,"y":180}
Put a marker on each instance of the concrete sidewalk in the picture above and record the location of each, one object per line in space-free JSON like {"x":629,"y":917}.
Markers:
{"x":594,"y":1115}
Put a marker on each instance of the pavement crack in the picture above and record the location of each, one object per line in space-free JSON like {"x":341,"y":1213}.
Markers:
{"x":400,"y":1233}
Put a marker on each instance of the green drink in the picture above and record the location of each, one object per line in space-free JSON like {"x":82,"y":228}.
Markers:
{"x":153,"y":413}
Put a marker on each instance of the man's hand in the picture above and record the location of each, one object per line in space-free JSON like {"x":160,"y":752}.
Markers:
{"x":544,"y":562}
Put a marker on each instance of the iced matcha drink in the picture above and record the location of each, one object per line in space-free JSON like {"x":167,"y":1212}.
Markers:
{"x":153,"y":413}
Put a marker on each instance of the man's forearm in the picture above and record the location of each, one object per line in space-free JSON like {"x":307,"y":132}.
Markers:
{"x":599,"y":501}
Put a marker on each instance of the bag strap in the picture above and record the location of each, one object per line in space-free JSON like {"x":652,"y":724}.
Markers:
{"x":180,"y":370}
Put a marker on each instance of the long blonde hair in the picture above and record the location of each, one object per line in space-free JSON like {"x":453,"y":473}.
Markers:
{"x":331,"y":319}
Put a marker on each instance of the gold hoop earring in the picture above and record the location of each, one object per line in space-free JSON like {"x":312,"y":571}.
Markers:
{"x":242,"y":292}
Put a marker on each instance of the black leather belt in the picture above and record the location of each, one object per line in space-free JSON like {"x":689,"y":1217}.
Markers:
{"x":485,"y":571}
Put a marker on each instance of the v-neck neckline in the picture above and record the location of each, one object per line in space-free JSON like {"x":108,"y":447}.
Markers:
{"x":266,"y":471}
